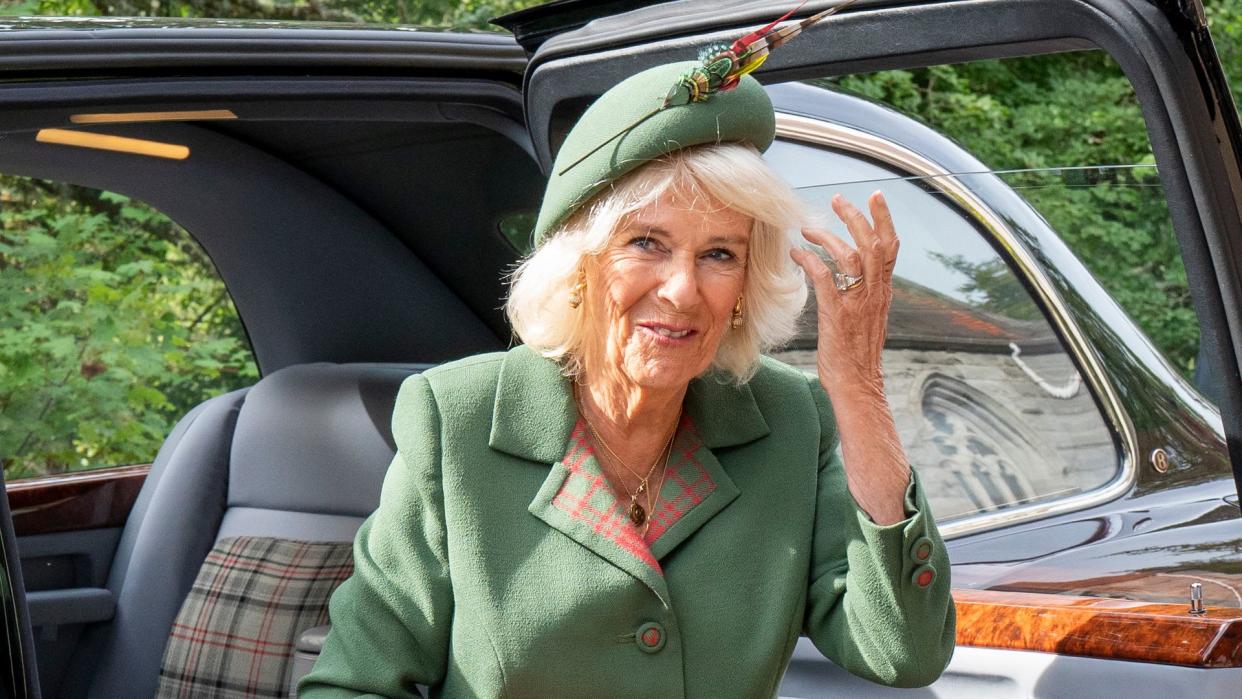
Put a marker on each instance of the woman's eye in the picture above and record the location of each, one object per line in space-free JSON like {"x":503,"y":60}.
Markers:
{"x":720,"y":255}
{"x":643,"y":243}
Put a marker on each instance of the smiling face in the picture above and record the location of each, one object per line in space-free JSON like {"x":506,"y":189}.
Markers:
{"x":661,"y":294}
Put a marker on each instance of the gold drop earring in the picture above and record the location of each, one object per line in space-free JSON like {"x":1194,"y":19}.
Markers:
{"x":575,"y":294}
{"x":737,"y":314}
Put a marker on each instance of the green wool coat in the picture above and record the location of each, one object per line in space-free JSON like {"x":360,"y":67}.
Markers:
{"x":501,"y":564}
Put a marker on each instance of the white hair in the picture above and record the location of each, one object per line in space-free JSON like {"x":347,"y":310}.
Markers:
{"x":733,"y":173}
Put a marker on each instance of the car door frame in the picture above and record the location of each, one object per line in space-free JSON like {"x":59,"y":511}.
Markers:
{"x":19,"y":678}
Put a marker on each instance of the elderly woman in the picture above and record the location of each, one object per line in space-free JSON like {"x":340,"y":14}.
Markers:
{"x":635,"y":502}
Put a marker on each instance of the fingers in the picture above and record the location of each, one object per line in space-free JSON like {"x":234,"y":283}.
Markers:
{"x":882,"y":217}
{"x":870,"y":246}
{"x":876,"y":256}
{"x":859,"y":227}
{"x":845,"y":258}
{"x":886,"y":232}
{"x":818,"y":273}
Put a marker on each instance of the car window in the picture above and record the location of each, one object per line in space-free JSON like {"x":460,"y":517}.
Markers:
{"x":1075,"y":118}
{"x":987,"y":401}
{"x":113,"y":324}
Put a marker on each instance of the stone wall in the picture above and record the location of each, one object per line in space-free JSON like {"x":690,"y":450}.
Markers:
{"x":985,"y":435}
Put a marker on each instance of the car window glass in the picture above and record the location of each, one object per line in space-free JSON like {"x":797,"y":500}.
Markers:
{"x":113,"y":324}
{"x":1067,"y":131}
{"x":988,"y":403}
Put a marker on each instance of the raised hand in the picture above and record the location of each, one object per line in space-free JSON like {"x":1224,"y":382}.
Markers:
{"x":854,"y":298}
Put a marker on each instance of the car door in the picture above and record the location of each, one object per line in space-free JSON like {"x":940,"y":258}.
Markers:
{"x":19,"y":677}
{"x":1165,"y":53}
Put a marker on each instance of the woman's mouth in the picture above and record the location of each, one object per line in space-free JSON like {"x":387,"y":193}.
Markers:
{"x":667,"y":334}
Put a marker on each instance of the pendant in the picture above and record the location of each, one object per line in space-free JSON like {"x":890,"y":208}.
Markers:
{"x":637,"y":514}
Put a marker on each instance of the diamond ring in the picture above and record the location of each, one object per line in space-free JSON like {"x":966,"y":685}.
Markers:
{"x":845,"y":282}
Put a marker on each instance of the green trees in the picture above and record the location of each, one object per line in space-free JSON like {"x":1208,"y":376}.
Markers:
{"x":112,"y":325}
{"x":459,"y":14}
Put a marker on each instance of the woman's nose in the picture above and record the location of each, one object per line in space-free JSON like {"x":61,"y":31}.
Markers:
{"x":680,"y":286}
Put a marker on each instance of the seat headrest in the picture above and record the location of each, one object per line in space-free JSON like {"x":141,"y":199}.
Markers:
{"x":316,"y":438}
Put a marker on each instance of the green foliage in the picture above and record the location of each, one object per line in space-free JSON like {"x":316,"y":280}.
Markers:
{"x":113,"y":322}
{"x":458,"y":14}
{"x":112,"y":325}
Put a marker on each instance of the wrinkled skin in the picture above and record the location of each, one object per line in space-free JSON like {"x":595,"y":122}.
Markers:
{"x":679,"y":266}
{"x":853,"y":325}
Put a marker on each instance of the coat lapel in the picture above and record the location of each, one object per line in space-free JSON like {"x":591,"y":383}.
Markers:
{"x":718,"y":415}
{"x":577,"y":500}
{"x":534,"y":418}
{"x":696,"y":487}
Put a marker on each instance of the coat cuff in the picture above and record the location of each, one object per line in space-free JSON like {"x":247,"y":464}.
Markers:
{"x":912,"y":546}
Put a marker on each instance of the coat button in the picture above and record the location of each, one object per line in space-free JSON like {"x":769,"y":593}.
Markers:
{"x":922,"y":549}
{"x":650,"y":637}
{"x":923,"y":576}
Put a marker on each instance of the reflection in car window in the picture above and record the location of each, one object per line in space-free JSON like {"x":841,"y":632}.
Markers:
{"x":1046,"y":112}
{"x":989,"y":405}
{"x":113,"y":324}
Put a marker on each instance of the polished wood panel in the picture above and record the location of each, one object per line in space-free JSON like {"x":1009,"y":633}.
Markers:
{"x":1099,"y":628}
{"x":75,"y":501}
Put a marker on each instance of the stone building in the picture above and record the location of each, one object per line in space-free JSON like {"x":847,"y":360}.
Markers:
{"x":991,"y":410}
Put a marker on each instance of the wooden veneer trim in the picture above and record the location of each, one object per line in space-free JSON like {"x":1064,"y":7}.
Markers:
{"x":75,"y":501}
{"x":1099,"y":628}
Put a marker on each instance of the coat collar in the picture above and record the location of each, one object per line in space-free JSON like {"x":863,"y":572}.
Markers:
{"x":534,"y":411}
{"x":534,"y":418}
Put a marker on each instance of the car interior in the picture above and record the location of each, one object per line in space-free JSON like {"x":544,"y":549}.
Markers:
{"x":345,"y":220}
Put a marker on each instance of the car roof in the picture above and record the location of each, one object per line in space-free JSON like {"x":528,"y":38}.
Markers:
{"x":85,"y":46}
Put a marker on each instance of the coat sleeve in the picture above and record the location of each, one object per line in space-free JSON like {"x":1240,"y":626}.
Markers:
{"x":878,"y":602}
{"x":391,"y":618}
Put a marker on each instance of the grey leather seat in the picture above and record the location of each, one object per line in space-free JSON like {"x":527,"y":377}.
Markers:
{"x":300,"y":455}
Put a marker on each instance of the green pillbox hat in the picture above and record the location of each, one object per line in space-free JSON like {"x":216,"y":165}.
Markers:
{"x":743,"y":114}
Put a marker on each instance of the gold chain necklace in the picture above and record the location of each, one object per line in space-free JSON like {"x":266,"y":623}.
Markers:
{"x":637,"y":514}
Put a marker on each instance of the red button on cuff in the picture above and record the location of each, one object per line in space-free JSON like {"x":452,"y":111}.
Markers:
{"x":922,"y":549}
{"x":923,"y":576}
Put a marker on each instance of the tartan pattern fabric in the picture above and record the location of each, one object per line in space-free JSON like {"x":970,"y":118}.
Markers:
{"x":587,"y":496}
{"x":687,"y":484}
{"x":235,"y":633}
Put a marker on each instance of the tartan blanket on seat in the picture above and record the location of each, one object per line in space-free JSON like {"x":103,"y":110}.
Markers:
{"x":235,"y":633}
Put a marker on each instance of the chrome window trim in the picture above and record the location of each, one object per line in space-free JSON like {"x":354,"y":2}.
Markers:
{"x":98,"y":473}
{"x":814,"y":131}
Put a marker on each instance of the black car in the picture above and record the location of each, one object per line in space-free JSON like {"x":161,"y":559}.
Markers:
{"x":362,"y":191}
